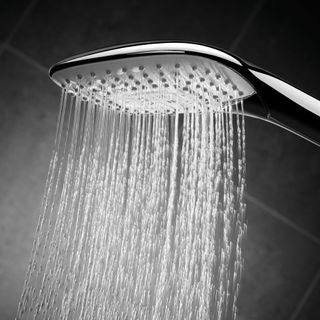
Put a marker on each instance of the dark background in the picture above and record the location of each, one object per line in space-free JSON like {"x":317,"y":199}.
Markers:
{"x":282,"y":268}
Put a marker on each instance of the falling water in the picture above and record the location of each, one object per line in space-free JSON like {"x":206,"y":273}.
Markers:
{"x":143,"y":213}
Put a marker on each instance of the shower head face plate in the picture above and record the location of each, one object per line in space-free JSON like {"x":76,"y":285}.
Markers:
{"x":138,"y":79}
{"x":180,"y":76}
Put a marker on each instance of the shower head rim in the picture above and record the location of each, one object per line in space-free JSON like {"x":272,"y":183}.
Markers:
{"x":267,"y":87}
{"x":148,"y":49}
{"x":213,"y":66}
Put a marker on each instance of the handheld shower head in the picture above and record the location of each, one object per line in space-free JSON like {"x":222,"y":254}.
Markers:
{"x":215,"y":75}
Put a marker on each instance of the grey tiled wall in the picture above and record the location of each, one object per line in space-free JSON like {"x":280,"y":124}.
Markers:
{"x":282,"y":251}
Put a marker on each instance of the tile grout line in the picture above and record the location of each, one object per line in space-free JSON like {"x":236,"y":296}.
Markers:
{"x":283,"y":219}
{"x":26,"y":58}
{"x":266,"y":208}
{"x":246,"y":26}
{"x":305,"y":296}
{"x":17,"y":26}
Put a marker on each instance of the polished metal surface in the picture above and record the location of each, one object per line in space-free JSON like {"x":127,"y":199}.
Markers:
{"x":278,"y":102}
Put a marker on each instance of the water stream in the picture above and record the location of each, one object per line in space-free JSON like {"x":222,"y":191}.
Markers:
{"x":143,"y":213}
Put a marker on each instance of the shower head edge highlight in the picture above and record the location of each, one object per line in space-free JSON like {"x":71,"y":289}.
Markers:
{"x":145,"y":48}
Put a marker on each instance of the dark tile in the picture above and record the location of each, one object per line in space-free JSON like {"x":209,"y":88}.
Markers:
{"x":311,"y":308}
{"x":56,"y":29}
{"x":10,"y":13}
{"x":283,"y":172}
{"x":279,"y":265}
{"x":29,"y":105}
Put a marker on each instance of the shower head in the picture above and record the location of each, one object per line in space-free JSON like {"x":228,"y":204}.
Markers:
{"x":215,"y":76}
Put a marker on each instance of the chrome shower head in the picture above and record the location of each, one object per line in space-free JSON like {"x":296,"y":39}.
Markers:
{"x":215,"y":75}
